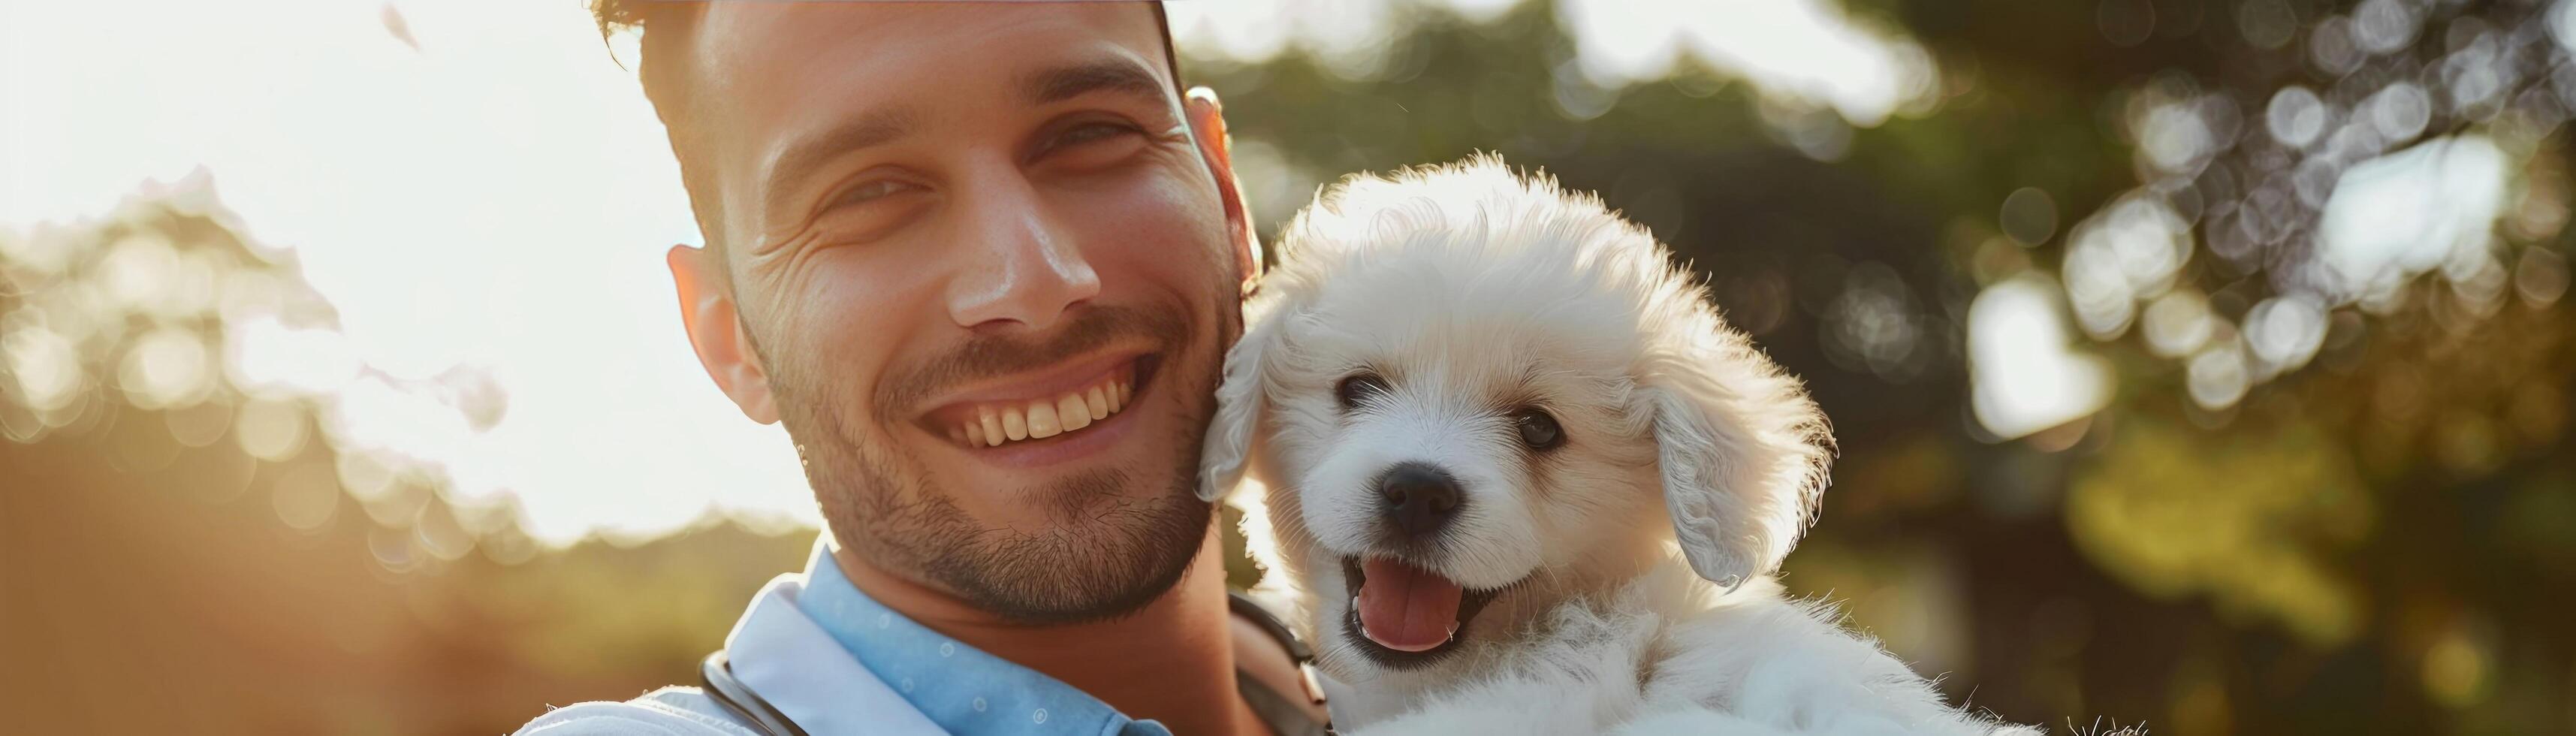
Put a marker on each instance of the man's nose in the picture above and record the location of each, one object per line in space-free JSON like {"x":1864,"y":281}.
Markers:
{"x":1418,"y":498}
{"x":1023,"y":266}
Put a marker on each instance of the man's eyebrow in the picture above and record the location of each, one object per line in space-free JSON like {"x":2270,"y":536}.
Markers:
{"x":1123,"y":76}
{"x":799,"y":160}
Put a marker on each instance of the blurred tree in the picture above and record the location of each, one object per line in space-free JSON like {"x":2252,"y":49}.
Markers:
{"x":190,"y":545}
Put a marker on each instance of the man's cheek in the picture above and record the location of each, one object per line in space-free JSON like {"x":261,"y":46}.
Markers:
{"x":1175,"y":221}
{"x":846,"y":327}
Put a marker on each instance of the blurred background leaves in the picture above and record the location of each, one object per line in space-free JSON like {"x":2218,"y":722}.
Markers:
{"x":2205,"y":363}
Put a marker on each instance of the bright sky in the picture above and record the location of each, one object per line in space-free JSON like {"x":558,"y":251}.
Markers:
{"x":501,"y":195}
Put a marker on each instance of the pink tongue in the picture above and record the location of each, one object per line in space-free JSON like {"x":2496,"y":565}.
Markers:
{"x":1407,"y":609}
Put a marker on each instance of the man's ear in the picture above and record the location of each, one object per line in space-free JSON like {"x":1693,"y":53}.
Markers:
{"x":1207,"y":127}
{"x":716,"y":332}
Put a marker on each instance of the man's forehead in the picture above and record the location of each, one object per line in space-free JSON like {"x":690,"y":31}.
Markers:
{"x":758,"y":44}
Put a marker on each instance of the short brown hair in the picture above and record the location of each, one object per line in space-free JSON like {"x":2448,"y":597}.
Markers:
{"x":663,"y":23}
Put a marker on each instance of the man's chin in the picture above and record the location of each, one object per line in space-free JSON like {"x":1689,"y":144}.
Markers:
{"x":1122,"y":558}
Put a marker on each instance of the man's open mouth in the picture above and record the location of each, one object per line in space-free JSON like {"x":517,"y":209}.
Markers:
{"x":1405,"y":616}
{"x":1051,"y":414}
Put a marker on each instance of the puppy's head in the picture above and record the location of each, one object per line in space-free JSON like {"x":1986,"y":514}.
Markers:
{"x":1473,"y":395}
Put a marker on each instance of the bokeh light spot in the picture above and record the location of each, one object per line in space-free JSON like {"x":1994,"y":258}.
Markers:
{"x":200,"y":424}
{"x":2266,"y":24}
{"x":2285,"y":332}
{"x":2541,"y":277}
{"x":2382,"y":26}
{"x":305,"y":497}
{"x":46,"y":366}
{"x":166,"y":368}
{"x":2455,"y":669}
{"x":2024,"y":373}
{"x":2295,"y":116}
{"x":2178,"y":323}
{"x":2029,"y":216}
{"x":271,"y":430}
{"x":2217,"y":376}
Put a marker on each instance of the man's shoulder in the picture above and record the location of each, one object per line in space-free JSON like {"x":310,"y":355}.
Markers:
{"x":670,"y":711}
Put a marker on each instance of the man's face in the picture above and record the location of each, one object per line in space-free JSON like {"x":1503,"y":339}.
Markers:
{"x":947,"y":220}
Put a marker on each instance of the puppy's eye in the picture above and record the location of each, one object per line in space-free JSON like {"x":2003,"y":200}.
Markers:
{"x":1359,"y":387}
{"x":1538,"y":430}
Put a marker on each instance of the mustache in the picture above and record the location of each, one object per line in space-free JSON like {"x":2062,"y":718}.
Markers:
{"x":994,"y":355}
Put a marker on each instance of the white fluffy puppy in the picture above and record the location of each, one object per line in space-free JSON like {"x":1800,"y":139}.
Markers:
{"x":1487,"y":412}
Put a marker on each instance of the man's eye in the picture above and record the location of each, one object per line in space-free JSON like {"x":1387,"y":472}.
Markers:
{"x":872,"y":190}
{"x":1093,"y":144}
{"x":1092,"y":132}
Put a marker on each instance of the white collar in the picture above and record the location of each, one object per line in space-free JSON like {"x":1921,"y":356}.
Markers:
{"x":797,"y":666}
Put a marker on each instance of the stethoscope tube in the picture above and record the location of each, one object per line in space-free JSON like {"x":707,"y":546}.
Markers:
{"x":717,"y":674}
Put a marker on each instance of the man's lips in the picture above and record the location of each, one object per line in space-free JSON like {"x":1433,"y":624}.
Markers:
{"x":1061,"y":401}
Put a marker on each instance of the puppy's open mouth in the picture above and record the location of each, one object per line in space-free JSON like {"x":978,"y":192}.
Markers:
{"x":1404,"y":616}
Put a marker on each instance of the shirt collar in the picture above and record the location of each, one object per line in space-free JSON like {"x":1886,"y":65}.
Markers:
{"x":963,"y":689}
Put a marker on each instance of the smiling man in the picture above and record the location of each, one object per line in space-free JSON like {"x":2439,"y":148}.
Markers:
{"x":983,"y":262}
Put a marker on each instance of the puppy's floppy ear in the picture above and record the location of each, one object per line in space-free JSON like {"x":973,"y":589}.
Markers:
{"x":1743,"y":452}
{"x":1241,"y":399}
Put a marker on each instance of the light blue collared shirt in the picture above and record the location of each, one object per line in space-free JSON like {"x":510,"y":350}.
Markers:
{"x":964,"y":690}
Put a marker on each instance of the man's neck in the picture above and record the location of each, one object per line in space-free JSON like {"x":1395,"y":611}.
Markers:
{"x":1172,"y":661}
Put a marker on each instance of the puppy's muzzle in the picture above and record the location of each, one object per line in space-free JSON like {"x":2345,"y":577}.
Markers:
{"x":1418,"y":499}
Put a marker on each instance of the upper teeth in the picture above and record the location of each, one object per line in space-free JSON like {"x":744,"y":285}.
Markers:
{"x":996,"y":423}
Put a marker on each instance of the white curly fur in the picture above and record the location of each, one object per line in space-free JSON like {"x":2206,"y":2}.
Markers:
{"x":1690,"y":457}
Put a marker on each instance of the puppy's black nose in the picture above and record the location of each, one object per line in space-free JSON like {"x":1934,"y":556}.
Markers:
{"x":1419,"y":497}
